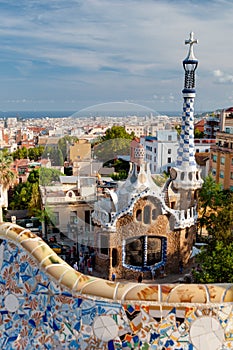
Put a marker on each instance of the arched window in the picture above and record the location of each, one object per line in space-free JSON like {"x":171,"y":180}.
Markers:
{"x":153,"y":214}
{"x":147,"y":214}
{"x":139,"y":215}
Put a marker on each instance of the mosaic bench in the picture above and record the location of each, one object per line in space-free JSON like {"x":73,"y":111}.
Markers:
{"x":46,"y":304}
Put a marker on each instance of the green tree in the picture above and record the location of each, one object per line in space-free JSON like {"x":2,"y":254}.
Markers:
{"x":117,"y":132}
{"x":220,"y":223}
{"x":26,"y":195}
{"x":35,"y":153}
{"x":64,"y":144}
{"x":34,"y":176}
{"x":54,"y":153}
{"x":7,"y":176}
{"x":20,"y":196}
{"x":121,"y":175}
{"x":47,"y":176}
{"x":198,"y":134}
{"x":216,"y":214}
{"x":210,"y":199}
{"x":115,"y":142}
{"x":216,"y":262}
{"x":35,"y":200}
{"x":20,"y":153}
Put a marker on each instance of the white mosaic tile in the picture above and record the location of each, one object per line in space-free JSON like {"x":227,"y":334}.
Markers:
{"x":206,"y":333}
{"x":105,"y":328}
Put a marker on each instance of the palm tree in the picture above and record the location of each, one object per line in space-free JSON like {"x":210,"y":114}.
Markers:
{"x":7,"y":179}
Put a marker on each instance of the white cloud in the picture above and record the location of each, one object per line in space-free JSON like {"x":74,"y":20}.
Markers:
{"x":222,"y":77}
{"x":124,"y":49}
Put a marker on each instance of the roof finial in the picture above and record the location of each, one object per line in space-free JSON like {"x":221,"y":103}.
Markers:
{"x":190,"y":42}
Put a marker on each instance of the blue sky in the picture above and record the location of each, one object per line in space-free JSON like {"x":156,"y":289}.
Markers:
{"x":71,"y":54}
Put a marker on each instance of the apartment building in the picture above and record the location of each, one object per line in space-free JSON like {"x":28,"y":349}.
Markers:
{"x":70,"y":203}
{"x":161,"y":150}
{"x":138,"y":130}
{"x":221,"y":162}
{"x":211,"y":126}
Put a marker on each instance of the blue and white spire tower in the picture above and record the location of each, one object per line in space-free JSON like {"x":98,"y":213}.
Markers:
{"x":186,"y":173}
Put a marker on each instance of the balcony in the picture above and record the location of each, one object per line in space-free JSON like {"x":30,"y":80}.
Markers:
{"x":66,"y":199}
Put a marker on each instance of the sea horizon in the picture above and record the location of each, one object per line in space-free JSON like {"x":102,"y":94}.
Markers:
{"x":85,"y":114}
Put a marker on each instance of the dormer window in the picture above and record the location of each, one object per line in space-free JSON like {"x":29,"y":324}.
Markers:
{"x":139,"y":215}
{"x":147,"y":214}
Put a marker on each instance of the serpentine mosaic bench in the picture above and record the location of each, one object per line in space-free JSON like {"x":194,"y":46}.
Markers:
{"x":46,"y":304}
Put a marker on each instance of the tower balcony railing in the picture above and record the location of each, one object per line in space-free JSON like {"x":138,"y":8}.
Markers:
{"x":186,"y":218}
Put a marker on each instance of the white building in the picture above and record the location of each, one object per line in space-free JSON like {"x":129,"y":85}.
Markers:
{"x":161,"y":150}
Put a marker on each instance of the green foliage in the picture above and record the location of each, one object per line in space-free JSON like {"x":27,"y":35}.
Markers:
{"x":160,"y":179}
{"x":220,"y":223}
{"x":27,"y":195}
{"x":216,"y":262}
{"x":20,"y":153}
{"x":117,"y":132}
{"x":7,"y":176}
{"x":216,"y":210}
{"x":121,"y":175}
{"x":115,"y":142}
{"x":46,"y":215}
{"x":198,"y":134}
{"x":34,"y":153}
{"x":35,"y":200}
{"x":210,"y":198}
{"x":210,"y":194}
{"x":55,"y":155}
{"x":20,"y":197}
{"x":121,"y":165}
{"x":34,"y":175}
{"x":178,"y":129}
{"x":121,"y":168}
{"x":216,"y":215}
{"x":47,"y":176}
{"x":64,"y":143}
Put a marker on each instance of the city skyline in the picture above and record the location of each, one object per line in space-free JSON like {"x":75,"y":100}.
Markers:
{"x":69,"y":56}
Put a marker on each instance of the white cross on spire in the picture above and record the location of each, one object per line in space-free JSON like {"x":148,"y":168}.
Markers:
{"x":190,"y":42}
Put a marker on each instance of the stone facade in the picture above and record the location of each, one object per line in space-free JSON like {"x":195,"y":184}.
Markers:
{"x":178,"y":242}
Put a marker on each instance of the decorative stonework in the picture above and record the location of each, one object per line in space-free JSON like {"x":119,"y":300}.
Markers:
{"x":42,"y":308}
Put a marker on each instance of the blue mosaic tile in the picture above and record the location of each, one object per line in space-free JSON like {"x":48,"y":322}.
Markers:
{"x":49,"y":316}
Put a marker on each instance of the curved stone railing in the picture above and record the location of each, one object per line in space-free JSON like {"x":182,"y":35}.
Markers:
{"x":46,"y":304}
